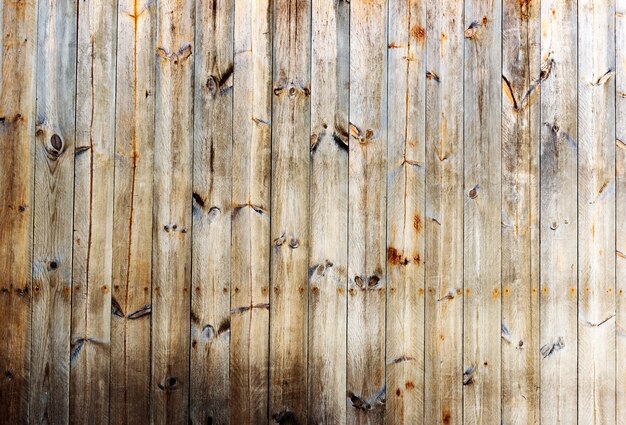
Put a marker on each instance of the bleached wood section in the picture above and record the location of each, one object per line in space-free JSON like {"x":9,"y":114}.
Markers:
{"x":212,"y":211}
{"x":53,"y":219}
{"x":291,"y":123}
{"x":251,"y":174}
{"x":132,"y":216}
{"x":443,"y":224}
{"x":406,"y":191}
{"x":482,"y":213}
{"x":367,"y":277}
{"x":17,"y":112}
{"x":93,"y":212}
{"x":171,"y":253}
{"x":520,"y":201}
{"x":330,"y":79}
{"x":596,"y":212}
{"x":558,"y":212}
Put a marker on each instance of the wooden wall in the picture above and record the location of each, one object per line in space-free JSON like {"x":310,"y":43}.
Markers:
{"x":313,"y":211}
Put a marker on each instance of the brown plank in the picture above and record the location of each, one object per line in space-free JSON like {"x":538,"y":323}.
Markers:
{"x":210,"y":303}
{"x":171,"y":253}
{"x":93,"y":212}
{"x":17,"y":113}
{"x":520,"y":203}
{"x":406,"y":61}
{"x":251,"y":171}
{"x":443,"y":224}
{"x":330,"y":76}
{"x":367,"y":279}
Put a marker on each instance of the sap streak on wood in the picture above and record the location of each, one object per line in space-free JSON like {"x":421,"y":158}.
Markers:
{"x":443,"y":223}
{"x":596,"y":212}
{"x":251,"y":173}
{"x":558,"y":291}
{"x":290,"y":207}
{"x":482,"y":253}
{"x":405,"y":211}
{"x":520,"y":203}
{"x":52,"y":234}
{"x":17,"y":113}
{"x":132,"y":217}
{"x":93,"y":211}
{"x":209,"y":393}
{"x":367,"y":278}
{"x":171,"y":261}
{"x":328,"y":212}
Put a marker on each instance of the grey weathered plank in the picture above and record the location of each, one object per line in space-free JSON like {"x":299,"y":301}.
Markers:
{"x":406,"y":194}
{"x":212,"y":175}
{"x":291,"y":109}
{"x":482,"y":242}
{"x":93,"y":212}
{"x":330,"y":76}
{"x":443,"y":224}
{"x":558,"y":212}
{"x":132,"y":215}
{"x":596,"y":212}
{"x":367,"y":278}
{"x":520,"y":203}
{"x":251,"y":173}
{"x":54,"y":188}
{"x":171,"y":260}
{"x":17,"y":113}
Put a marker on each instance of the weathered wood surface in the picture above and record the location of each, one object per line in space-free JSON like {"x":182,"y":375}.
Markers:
{"x":324,"y":212}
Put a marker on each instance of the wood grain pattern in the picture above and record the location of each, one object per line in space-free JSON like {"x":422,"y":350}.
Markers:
{"x":171,"y":253}
{"x":210,"y":306}
{"x":328,"y":185}
{"x":367,"y":278}
{"x":251,"y":172}
{"x":17,"y":165}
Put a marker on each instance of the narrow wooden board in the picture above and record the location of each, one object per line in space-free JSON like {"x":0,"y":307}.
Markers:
{"x":291,"y":108}
{"x":171,"y":260}
{"x":17,"y":113}
{"x":212,"y":174}
{"x":520,"y":203}
{"x":251,"y":171}
{"x":328,"y":262}
{"x":367,"y":277}
{"x":443,"y":224}
{"x":558,"y":212}
{"x":596,"y":212}
{"x":620,"y":206}
{"x":482,"y":213}
{"x":93,"y":212}
{"x":406,"y":192}
{"x":132,"y":217}
{"x":54,"y":189}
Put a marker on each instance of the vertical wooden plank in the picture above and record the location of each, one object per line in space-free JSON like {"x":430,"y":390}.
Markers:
{"x":93,"y":212}
{"x":328,"y":262}
{"x":405,"y":212}
{"x":367,"y":279}
{"x":171,"y":261}
{"x":558,"y":340}
{"x":251,"y":173}
{"x":520,"y":206}
{"x":18,"y":27}
{"x":482,"y":242}
{"x":210,"y":305}
{"x":443,"y":225}
{"x":52,"y":234}
{"x":620,"y":205}
{"x":132,"y":217}
{"x":291,"y":109}
{"x":596,"y":212}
